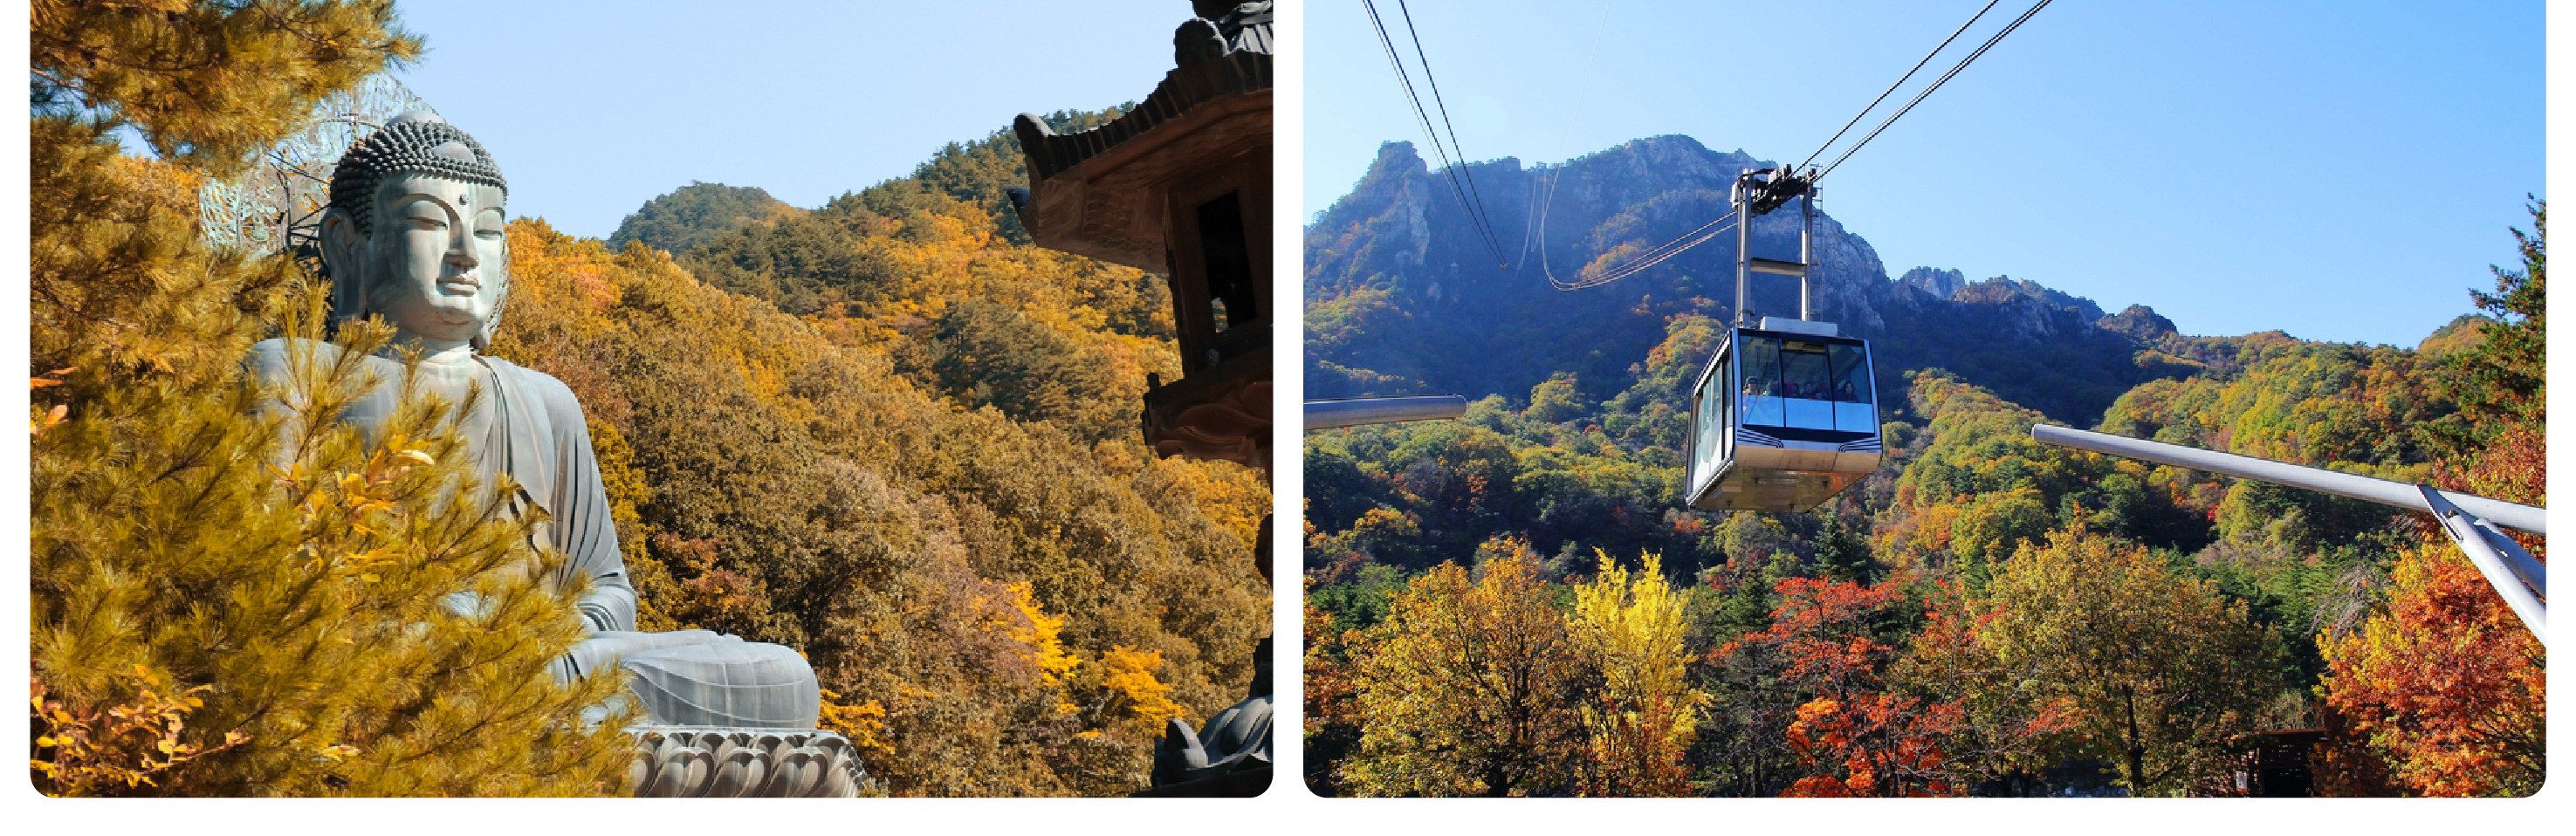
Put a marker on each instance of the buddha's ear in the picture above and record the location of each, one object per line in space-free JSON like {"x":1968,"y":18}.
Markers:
{"x":341,"y":245}
{"x":499,"y":275}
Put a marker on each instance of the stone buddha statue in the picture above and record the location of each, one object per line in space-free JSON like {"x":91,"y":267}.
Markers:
{"x":414,"y":233}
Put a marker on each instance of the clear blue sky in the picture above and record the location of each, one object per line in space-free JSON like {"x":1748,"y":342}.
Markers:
{"x":593,"y":109}
{"x":2342,"y":171}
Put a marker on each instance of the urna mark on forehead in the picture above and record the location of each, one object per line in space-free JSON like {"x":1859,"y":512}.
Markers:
{"x":397,"y":190}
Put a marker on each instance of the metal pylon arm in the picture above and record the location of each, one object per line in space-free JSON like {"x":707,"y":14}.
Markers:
{"x":2519,"y":578}
{"x":2470,"y":520}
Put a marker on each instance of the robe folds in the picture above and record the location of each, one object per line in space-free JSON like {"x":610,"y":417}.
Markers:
{"x":528,"y":425}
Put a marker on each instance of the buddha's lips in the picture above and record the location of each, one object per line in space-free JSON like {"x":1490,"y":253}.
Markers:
{"x":470,"y":283}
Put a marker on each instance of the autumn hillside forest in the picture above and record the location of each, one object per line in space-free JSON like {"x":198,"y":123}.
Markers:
{"x":886,"y":432}
{"x":1517,"y":602}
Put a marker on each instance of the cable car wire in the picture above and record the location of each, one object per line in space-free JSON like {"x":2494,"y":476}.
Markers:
{"x":1652,"y":257}
{"x":1421,"y":118}
{"x":1900,"y":82}
{"x":1538,"y":210}
{"x":1483,"y":218}
{"x":1675,"y":247}
{"x":1936,"y":85}
{"x":1451,"y":170}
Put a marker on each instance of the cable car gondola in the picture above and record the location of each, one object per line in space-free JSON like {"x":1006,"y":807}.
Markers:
{"x":1784,"y":416}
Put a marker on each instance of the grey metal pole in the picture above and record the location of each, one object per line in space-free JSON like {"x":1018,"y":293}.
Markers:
{"x":1354,"y":412}
{"x":2382,"y":491}
{"x":1743,"y":247}
{"x":2517,"y":578}
{"x":1806,"y":249}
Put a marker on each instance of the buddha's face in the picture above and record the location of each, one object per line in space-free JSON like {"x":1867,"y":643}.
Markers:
{"x":437,"y":260}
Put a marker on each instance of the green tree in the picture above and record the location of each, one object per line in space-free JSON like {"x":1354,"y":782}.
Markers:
{"x":1467,"y":688}
{"x":691,"y":214}
{"x":2159,"y":670}
{"x":1556,"y":401}
{"x":1843,"y":554}
{"x":2502,"y":378}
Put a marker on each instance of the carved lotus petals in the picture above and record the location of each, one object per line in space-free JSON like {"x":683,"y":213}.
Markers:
{"x":682,"y":775}
{"x":834,"y":745}
{"x":738,"y":774}
{"x":802,"y":773}
{"x":771,"y":746}
{"x":840,"y":780}
{"x":739,"y":763}
{"x":723,"y":746}
{"x":639,"y":776}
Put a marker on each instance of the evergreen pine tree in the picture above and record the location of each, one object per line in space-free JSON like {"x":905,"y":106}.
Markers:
{"x":262,"y":586}
{"x":1842,"y":554}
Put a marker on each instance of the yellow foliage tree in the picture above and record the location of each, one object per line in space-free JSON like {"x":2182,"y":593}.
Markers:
{"x":1467,"y":688}
{"x":1631,"y":628}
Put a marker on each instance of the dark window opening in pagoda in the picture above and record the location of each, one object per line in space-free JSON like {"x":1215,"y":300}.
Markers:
{"x":1228,"y":257}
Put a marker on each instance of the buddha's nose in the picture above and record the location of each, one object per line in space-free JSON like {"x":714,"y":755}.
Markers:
{"x":460,"y":251}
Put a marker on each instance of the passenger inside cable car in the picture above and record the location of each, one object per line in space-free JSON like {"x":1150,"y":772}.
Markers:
{"x":1805,"y":384}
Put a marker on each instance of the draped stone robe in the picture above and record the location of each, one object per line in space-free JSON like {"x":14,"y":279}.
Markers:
{"x":529,"y":426}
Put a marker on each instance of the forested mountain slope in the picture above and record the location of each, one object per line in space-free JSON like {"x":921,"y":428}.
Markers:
{"x":693,"y":213}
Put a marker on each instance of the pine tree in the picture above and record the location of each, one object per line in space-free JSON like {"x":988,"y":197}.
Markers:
{"x":261,"y":586}
{"x":2501,"y":379}
{"x":1843,"y":554}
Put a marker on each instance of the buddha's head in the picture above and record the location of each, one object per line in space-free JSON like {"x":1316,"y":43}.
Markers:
{"x":414,"y":232}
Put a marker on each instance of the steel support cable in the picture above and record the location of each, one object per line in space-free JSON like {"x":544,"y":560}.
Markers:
{"x":1413,"y":98}
{"x":1634,"y":267}
{"x":1676,"y":246}
{"x":1936,"y":85}
{"x":1644,"y":261}
{"x":1652,"y":257}
{"x":1538,"y":211}
{"x":1484,"y":220}
{"x":1900,"y":82}
{"x":1423,"y":119}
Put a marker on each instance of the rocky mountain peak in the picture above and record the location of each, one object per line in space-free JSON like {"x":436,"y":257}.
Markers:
{"x":2138,"y":321}
{"x":1403,"y":298}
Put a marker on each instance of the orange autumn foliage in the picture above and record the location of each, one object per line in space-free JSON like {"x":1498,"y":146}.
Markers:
{"x":1856,"y":737}
{"x":2447,"y":683}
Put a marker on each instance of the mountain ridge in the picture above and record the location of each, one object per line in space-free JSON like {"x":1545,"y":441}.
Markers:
{"x":1398,"y":250}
